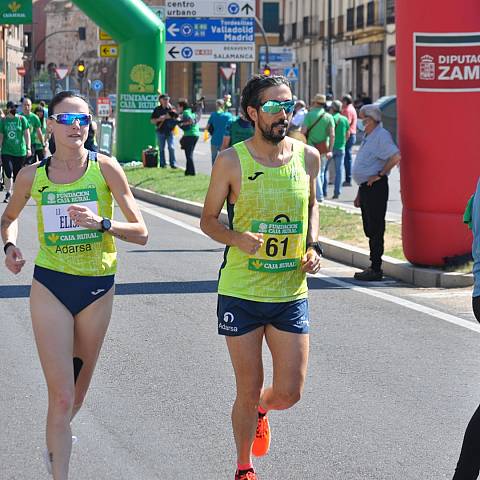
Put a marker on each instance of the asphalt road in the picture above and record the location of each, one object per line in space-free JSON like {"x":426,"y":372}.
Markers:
{"x":393,"y":375}
{"x":203,"y":164}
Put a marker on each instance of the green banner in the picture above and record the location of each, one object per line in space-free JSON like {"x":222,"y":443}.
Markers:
{"x":15,"y":12}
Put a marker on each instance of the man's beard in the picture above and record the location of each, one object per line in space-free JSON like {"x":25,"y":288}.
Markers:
{"x":270,"y":136}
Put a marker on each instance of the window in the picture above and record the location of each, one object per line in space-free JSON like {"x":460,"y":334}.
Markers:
{"x":340,"y":24}
{"x":294,"y":31}
{"x":27,"y":42}
{"x":321,"y":32}
{"x":271,"y":20}
{"x":350,"y":19}
{"x":306,"y":25}
{"x":360,"y":19}
{"x":390,"y":11}
{"x":370,"y":13}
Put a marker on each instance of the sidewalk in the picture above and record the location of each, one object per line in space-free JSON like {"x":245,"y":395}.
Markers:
{"x":334,"y":250}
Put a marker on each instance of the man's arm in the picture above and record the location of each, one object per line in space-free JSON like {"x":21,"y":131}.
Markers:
{"x":40,"y":135}
{"x":225,"y":178}
{"x":311,"y":259}
{"x":391,"y":163}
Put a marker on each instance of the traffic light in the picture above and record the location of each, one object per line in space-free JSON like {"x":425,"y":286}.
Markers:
{"x":81,"y":69}
{"x":267,"y":70}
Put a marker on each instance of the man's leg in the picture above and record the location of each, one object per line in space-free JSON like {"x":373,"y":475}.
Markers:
{"x":338,"y":159}
{"x":171,"y":150}
{"x":246,"y":356}
{"x":290,"y":359}
{"x":8,"y":173}
{"x":348,"y":159}
{"x":378,"y":198}
{"x":161,"y":146}
{"x":319,"y":181}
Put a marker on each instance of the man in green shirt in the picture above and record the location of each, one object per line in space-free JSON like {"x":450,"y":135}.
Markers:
{"x":342,"y":128}
{"x":16,"y":147}
{"x":318,"y":128}
{"x":191,"y":132}
{"x":35,"y":127}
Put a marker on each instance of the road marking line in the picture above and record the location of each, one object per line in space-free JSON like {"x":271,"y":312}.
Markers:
{"x":340,"y":283}
{"x":179,"y":223}
{"x":466,"y":293}
{"x":404,"y":303}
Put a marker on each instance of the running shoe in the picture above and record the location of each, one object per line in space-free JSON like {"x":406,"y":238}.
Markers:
{"x":261,"y":444}
{"x":248,"y":475}
{"x":7,"y":197}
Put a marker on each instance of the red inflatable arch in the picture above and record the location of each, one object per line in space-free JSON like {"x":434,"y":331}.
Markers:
{"x":438,"y":85}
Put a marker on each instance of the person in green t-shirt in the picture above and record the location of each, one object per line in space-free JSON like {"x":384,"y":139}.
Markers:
{"x":40,"y":113}
{"x":35,"y":126}
{"x":342,"y":128}
{"x":319,"y":129}
{"x":16,"y":146}
{"x":191,"y":132}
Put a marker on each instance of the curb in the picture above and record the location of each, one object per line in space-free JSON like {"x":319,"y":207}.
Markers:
{"x":333,"y":250}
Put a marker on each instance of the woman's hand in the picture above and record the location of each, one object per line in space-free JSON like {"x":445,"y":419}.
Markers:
{"x":14,"y":259}
{"x":84,"y":217}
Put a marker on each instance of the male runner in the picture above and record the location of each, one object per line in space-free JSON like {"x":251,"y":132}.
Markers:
{"x":269,"y":184}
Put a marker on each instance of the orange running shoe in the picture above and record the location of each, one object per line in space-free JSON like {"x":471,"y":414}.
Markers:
{"x":261,"y":444}
{"x":249,"y":475}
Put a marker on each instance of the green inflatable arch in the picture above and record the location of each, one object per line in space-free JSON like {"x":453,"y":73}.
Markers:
{"x":141,"y":68}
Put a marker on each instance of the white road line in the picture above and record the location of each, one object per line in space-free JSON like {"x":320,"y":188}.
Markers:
{"x":179,"y":223}
{"x":465,"y":293}
{"x":404,"y":303}
{"x":340,"y":283}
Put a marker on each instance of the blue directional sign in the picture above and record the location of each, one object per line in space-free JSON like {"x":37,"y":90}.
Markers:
{"x":224,"y":30}
{"x":97,"y":85}
{"x":233,"y":8}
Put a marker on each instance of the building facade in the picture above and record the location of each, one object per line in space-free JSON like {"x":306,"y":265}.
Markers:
{"x":351,"y":53}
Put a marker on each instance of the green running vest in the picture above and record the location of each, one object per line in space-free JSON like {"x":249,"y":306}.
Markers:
{"x":272,"y":201}
{"x":65,"y":247}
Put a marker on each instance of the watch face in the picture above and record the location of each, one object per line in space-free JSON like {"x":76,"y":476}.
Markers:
{"x":106,"y":224}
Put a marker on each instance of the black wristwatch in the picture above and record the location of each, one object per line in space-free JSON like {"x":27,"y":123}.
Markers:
{"x":316,"y":246}
{"x":106,"y":225}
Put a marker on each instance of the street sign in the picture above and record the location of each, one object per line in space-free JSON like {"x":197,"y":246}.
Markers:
{"x":110,"y":51}
{"x":227,"y":72}
{"x":21,"y":71}
{"x":159,"y":11}
{"x":61,"y":72}
{"x":104,"y":107}
{"x":104,"y":35}
{"x":291,"y":73}
{"x":211,"y":52}
{"x":210,"y":8}
{"x":239,"y":30}
{"x":278,"y":57}
{"x":97,"y":85}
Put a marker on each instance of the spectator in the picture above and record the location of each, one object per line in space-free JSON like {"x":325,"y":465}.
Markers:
{"x":318,"y":128}
{"x":16,"y":146}
{"x":377,"y":156}
{"x":91,"y":141}
{"x":191,"y":132}
{"x":298,"y":115}
{"x":237,"y":130}
{"x":342,"y":128}
{"x":349,"y":111}
{"x":40,"y":152}
{"x":164,"y":118}
{"x":216,"y":126}
{"x":35,"y":126}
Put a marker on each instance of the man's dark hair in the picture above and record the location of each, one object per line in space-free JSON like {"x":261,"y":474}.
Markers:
{"x":252,"y":92}
{"x":184,"y":104}
{"x":60,"y":97}
{"x":164,"y":95}
{"x":347,"y":99}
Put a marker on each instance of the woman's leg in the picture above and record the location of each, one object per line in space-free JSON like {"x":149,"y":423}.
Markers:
{"x":53,"y":328}
{"x":91,"y":325}
{"x":18,"y":163}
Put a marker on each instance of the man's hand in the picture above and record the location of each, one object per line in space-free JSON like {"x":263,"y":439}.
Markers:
{"x":14,"y":259}
{"x":356,"y":202}
{"x":374,"y":178}
{"x":249,"y":242}
{"x":329,"y":155}
{"x":311,"y":261}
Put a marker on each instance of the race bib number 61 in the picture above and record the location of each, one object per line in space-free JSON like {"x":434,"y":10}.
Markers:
{"x":282,"y":247}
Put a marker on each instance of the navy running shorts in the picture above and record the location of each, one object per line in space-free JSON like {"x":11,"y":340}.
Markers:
{"x":75,"y":292}
{"x":237,"y":316}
